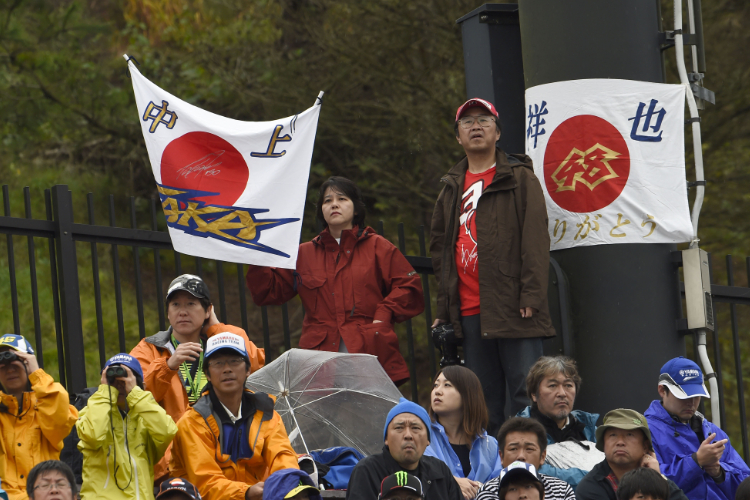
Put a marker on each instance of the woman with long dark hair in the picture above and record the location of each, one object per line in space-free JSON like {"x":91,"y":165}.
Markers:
{"x":354,"y":284}
{"x":459,"y":418}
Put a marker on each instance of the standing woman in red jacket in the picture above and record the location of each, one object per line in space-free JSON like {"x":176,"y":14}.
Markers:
{"x":354,"y":284}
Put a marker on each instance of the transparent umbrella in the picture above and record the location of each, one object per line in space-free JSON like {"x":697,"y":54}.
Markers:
{"x":329,"y":399}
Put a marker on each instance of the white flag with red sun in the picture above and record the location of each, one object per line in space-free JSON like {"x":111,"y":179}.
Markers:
{"x":610,"y":157}
{"x":231,"y":190}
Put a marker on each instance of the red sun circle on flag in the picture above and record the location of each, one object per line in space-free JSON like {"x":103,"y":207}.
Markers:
{"x":205,"y":162}
{"x":586,"y":164}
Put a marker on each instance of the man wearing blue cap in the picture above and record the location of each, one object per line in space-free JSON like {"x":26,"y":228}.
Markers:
{"x":35,"y":415}
{"x":694,"y":453}
{"x":123,"y":433}
{"x":290,"y":484}
{"x":406,"y":435}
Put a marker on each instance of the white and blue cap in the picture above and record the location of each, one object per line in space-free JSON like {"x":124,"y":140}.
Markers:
{"x":126,"y":360}
{"x":225,"y":340}
{"x":16,"y":342}
{"x":683,"y":378}
{"x":518,"y":470}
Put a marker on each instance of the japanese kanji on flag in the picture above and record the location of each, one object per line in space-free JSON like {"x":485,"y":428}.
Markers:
{"x":610,"y":157}
{"x":231,"y":190}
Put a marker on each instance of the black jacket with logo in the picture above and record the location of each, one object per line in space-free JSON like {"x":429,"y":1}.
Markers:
{"x":437,"y":478}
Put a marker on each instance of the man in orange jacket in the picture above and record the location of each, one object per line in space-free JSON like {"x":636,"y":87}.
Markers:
{"x":172,"y":361}
{"x":231,"y":439}
{"x":35,"y":415}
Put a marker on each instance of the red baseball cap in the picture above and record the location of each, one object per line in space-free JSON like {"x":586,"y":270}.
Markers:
{"x":473,"y":102}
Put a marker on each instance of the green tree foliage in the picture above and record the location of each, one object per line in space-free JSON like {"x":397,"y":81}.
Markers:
{"x":392,"y":72}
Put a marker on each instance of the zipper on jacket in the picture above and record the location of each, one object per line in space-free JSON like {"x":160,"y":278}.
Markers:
{"x":135,"y":473}
{"x":109,"y":452}
{"x":134,"y":468}
{"x":449,"y":248}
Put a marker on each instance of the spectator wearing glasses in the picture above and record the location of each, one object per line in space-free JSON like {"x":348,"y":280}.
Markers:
{"x":35,"y":415}
{"x":231,"y":439}
{"x":52,"y":479}
{"x":501,"y":313}
{"x":354,"y":284}
{"x":173,"y":360}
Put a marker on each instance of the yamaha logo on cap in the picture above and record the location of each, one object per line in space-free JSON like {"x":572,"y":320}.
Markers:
{"x":690,"y":374}
{"x":121,"y":358}
{"x":226,"y":340}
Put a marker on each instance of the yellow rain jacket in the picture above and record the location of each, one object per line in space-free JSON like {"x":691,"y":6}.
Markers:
{"x":198,"y":451}
{"x":33,"y":434}
{"x":122,"y":466}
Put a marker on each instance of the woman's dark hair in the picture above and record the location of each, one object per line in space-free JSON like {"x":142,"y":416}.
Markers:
{"x":475,"y":417}
{"x":645,"y":481}
{"x":344,"y":186}
{"x":521,"y":481}
{"x":42,"y":468}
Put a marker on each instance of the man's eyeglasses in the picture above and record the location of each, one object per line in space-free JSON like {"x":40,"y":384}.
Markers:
{"x":221,"y":363}
{"x":58,"y":485}
{"x":484,"y":121}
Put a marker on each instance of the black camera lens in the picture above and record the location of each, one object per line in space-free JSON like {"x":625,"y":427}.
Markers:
{"x":7,"y":357}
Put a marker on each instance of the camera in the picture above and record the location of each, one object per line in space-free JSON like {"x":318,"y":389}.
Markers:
{"x":7,"y":357}
{"x":444,"y":338}
{"x":115,"y":371}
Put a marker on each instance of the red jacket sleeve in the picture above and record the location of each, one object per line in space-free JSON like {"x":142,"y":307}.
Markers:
{"x":270,"y":286}
{"x":404,"y":298}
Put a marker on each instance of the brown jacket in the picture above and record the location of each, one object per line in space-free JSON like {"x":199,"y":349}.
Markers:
{"x":513,"y":246}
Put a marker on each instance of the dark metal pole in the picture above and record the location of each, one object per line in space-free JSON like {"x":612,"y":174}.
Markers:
{"x":67,"y":266}
{"x":494,"y":68}
{"x":625,"y":299}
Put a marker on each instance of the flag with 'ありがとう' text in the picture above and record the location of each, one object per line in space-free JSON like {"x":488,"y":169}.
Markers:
{"x":610,"y":157}
{"x":231,"y":190}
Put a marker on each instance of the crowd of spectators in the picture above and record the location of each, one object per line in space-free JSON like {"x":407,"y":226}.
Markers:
{"x":173,"y":419}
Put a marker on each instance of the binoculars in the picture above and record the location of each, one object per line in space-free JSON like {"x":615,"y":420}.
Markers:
{"x":7,"y":357}
{"x":115,"y":371}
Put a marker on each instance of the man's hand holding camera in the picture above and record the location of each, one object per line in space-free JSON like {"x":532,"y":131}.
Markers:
{"x":186,"y":351}
{"x":123,"y":384}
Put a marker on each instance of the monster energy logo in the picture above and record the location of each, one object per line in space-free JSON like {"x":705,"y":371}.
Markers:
{"x":401,"y":478}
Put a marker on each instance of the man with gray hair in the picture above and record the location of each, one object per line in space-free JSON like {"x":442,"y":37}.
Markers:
{"x":552,"y":385}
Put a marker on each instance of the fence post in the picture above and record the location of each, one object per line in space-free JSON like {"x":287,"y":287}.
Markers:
{"x":70,"y":298}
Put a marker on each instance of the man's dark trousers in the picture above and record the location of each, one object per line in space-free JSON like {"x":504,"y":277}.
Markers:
{"x":498,"y":362}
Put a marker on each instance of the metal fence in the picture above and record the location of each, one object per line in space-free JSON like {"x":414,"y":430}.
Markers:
{"x":137,"y":268}
{"x":89,"y":291}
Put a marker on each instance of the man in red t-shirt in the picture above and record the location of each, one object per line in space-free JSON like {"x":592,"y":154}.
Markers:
{"x":490,"y":251}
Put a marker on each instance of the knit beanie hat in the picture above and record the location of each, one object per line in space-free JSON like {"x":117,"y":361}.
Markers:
{"x":406,"y":406}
